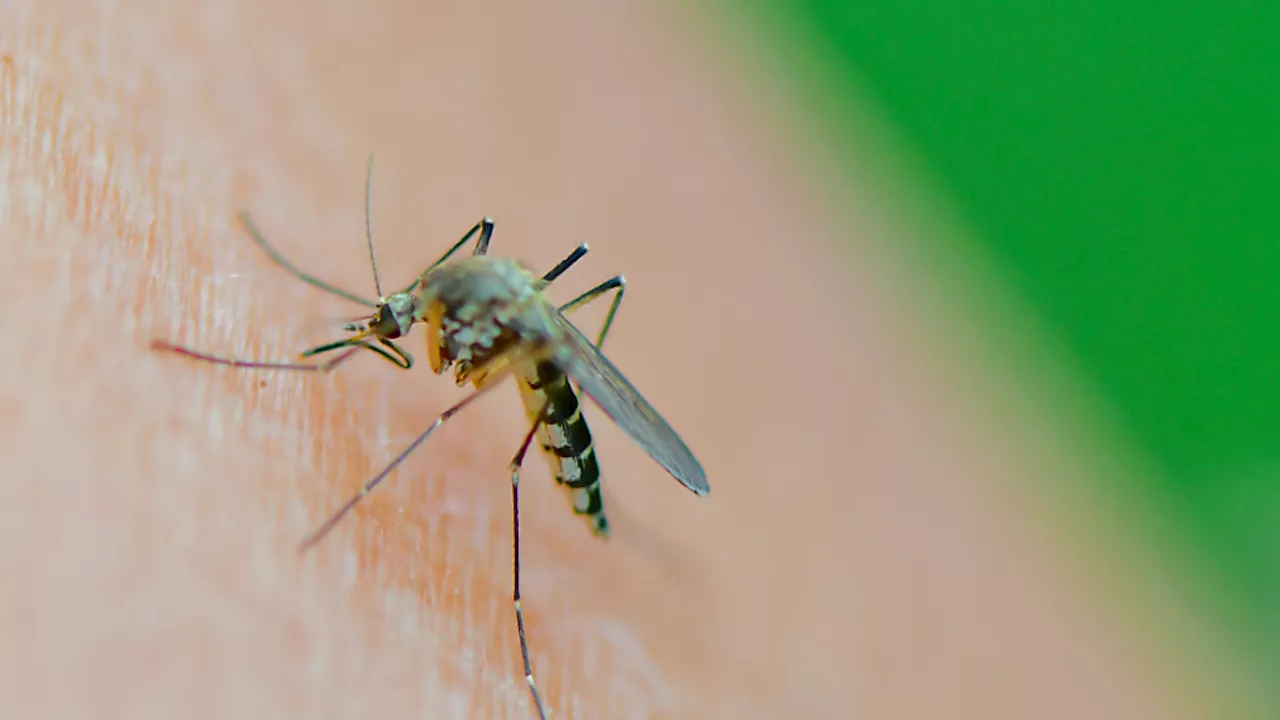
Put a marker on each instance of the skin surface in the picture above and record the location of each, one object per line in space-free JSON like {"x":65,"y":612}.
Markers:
{"x":861,"y":553}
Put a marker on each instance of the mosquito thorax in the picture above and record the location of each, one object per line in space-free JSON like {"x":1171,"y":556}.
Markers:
{"x":478,"y":310}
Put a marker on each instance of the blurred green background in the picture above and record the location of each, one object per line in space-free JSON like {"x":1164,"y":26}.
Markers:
{"x":1120,"y":164}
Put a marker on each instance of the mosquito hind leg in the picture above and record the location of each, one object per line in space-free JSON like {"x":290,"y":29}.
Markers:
{"x":516,"y":462}
{"x":565,"y":264}
{"x":617,"y":283}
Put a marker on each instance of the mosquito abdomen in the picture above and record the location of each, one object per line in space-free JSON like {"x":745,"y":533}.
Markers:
{"x":566,"y":441}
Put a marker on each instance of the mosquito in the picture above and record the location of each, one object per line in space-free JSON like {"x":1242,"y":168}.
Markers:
{"x":487,"y":318}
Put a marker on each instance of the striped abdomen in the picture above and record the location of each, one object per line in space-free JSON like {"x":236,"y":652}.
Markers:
{"x":566,"y":441}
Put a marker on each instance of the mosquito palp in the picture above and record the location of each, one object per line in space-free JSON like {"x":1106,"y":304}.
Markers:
{"x":487,"y":318}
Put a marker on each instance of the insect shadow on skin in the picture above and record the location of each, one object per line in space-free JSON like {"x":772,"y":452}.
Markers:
{"x":487,"y":318}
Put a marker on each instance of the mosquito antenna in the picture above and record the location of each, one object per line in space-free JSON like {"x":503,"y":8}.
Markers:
{"x":368,"y":231}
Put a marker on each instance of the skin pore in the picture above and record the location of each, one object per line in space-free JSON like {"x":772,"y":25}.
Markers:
{"x":860,"y":543}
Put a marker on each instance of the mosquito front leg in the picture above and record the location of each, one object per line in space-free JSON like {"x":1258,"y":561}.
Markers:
{"x":400,"y":358}
{"x":350,"y":346}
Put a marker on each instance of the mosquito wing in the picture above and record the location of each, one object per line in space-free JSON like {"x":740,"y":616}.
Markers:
{"x":618,"y":398}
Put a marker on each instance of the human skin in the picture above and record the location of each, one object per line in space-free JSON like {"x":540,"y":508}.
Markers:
{"x":860,"y":554}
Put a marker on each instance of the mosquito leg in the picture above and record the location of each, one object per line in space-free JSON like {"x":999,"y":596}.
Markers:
{"x":516,"y":462}
{"x":484,"y":227}
{"x":486,"y":232}
{"x":565,"y":264}
{"x":406,"y":358}
{"x":351,"y":348}
{"x":236,"y":362}
{"x":316,"y":536}
{"x":400,"y":358}
{"x":618,"y":283}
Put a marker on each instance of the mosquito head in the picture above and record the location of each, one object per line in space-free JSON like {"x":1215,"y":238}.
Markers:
{"x":391,"y":318}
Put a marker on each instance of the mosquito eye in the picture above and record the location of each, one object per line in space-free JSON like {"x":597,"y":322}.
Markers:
{"x":387,"y":327}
